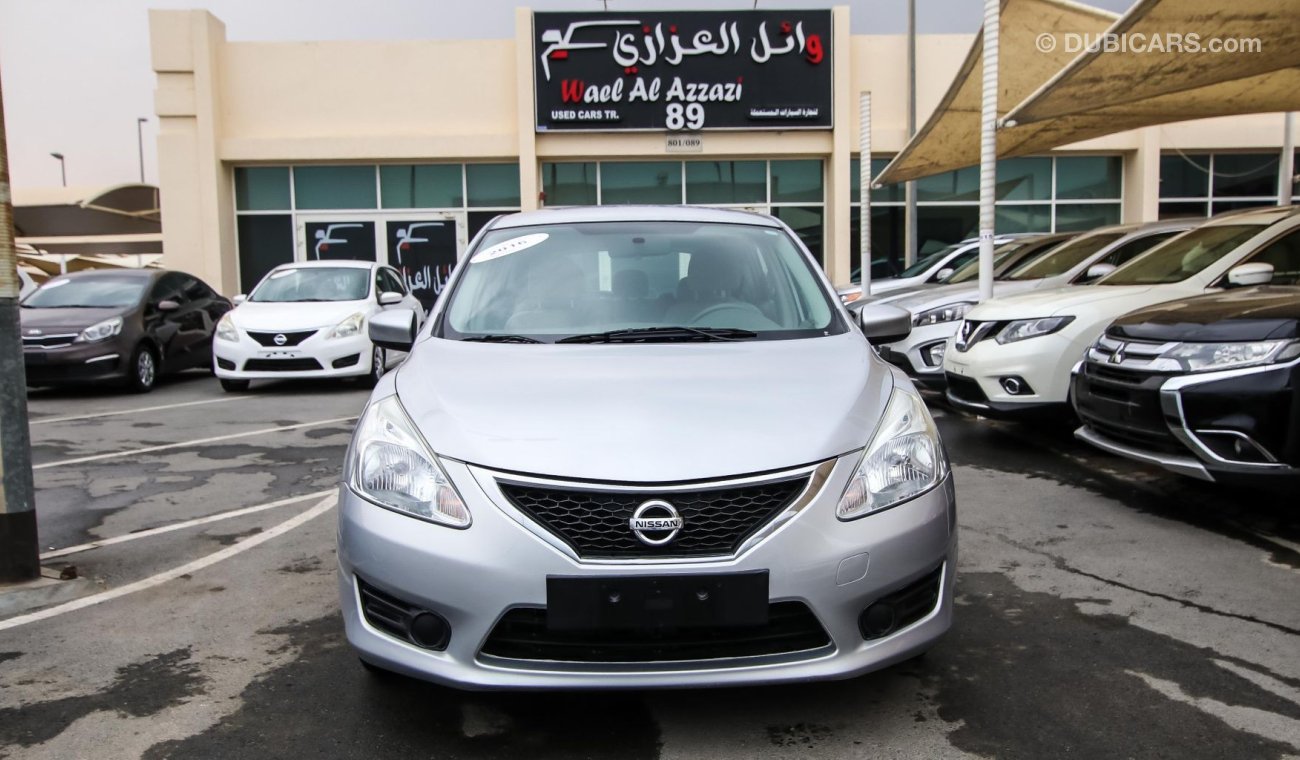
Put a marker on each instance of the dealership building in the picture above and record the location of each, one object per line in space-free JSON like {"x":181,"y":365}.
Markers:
{"x":271,"y":152}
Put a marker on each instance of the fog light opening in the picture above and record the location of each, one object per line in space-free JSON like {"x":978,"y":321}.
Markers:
{"x":429,"y":631}
{"x":877,"y":620}
{"x":933,"y":354}
{"x":1015,"y":386}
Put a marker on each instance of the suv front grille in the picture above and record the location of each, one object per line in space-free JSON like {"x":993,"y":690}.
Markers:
{"x":521,"y":634}
{"x":595,"y":524}
{"x":281,"y":365}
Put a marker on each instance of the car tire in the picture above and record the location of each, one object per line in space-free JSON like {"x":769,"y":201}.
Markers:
{"x":142,"y":372}
{"x":378,"y":361}
{"x":233,"y":386}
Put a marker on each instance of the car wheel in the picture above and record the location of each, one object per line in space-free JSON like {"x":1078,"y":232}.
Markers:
{"x":377,"y":369}
{"x":233,"y":386}
{"x":142,"y":373}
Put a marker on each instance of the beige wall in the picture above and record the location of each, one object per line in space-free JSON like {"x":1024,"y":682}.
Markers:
{"x":223,"y":103}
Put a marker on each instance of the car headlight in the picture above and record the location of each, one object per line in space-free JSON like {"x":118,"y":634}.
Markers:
{"x":904,"y":459}
{"x":348,"y":327}
{"x":947,"y":313}
{"x":226,"y":329}
{"x":1023,"y":329}
{"x":101,"y":330}
{"x":1207,"y":357}
{"x":390,"y":464}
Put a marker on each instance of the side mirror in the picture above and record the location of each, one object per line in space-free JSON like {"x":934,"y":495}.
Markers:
{"x":390,"y":298}
{"x":237,"y":300}
{"x":1098,"y":271}
{"x":882,"y":323}
{"x":943,"y":274}
{"x":170,"y":305}
{"x":1255,"y":273}
{"x":393,"y":330}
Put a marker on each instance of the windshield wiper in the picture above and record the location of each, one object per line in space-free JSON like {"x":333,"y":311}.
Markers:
{"x":500,"y":339}
{"x":662,"y":335}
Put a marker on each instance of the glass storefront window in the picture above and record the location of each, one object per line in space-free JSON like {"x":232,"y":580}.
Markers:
{"x":1024,"y":179}
{"x":896,"y":193}
{"x":961,"y":185}
{"x":940,"y":226}
{"x":262,"y":188}
{"x":1089,"y":177}
{"x":571,"y":184}
{"x":492,"y":184}
{"x":623,"y":182}
{"x":806,"y":221}
{"x":797,"y":182}
{"x":1183,"y":209}
{"x":334,"y":187}
{"x":886,"y":242}
{"x":717,"y":182}
{"x":421,"y":186}
{"x":1185,"y":176}
{"x":1241,"y":175}
{"x":1023,"y":217}
{"x":1078,"y":217}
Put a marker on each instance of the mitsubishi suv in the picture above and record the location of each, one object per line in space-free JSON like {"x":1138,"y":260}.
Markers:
{"x":643,"y":447}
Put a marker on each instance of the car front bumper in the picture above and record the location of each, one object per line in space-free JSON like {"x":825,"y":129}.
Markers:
{"x":77,"y":363}
{"x":249,"y":360}
{"x":473,"y":577}
{"x":1041,"y":364}
{"x":914,"y":355}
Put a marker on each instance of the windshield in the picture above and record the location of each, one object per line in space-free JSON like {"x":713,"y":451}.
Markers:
{"x":1065,"y":258}
{"x":1182,"y":256}
{"x":103,"y":292}
{"x":927,"y":261}
{"x":313,"y":284}
{"x":971,"y":269}
{"x":575,"y":281}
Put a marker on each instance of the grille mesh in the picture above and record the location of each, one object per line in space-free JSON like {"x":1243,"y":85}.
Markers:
{"x":595,"y":523}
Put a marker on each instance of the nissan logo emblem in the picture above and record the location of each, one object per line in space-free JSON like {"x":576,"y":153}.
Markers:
{"x":280,"y":340}
{"x":655,"y":522}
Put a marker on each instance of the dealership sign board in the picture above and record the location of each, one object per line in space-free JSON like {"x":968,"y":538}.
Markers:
{"x":688,"y":70}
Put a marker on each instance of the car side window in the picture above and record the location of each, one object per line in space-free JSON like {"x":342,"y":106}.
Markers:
{"x":1284,"y":255}
{"x":168,"y":288}
{"x":1124,"y":253}
{"x":192,"y":289}
{"x":392,"y":282}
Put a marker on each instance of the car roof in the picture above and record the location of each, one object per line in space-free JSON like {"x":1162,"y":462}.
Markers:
{"x":332,"y":264}
{"x":142,"y":274}
{"x":580,"y":214}
{"x":1261,"y":216}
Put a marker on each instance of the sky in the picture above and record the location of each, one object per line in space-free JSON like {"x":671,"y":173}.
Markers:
{"x":76,"y":73}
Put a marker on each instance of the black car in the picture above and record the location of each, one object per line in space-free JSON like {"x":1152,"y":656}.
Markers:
{"x":122,"y":325}
{"x":1206,"y":386}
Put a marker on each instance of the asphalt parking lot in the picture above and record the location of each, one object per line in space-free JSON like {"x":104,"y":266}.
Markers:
{"x":1104,"y":610}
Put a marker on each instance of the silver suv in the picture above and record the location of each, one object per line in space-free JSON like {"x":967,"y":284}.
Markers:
{"x":643,"y":447}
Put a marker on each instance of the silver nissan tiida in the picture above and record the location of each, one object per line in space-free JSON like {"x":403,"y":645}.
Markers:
{"x":643,"y":447}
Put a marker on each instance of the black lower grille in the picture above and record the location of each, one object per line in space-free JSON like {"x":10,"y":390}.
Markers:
{"x":521,"y":634}
{"x":909,"y":604}
{"x":225,"y":364}
{"x":596,"y":523}
{"x":346,"y":361}
{"x":281,"y":365}
{"x":288,"y":339}
{"x":392,"y":615}
{"x":966,"y":389}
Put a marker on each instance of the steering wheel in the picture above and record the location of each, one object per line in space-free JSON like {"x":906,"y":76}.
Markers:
{"x":742,"y":308}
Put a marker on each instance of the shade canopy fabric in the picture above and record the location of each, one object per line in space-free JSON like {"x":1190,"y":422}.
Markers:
{"x":1101,"y":93}
{"x":949,"y":139}
{"x":1225,"y":57}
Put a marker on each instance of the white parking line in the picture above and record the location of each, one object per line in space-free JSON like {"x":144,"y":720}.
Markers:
{"x":195,"y":442}
{"x":176,"y":572}
{"x":181,"y":525}
{"x":140,"y":410}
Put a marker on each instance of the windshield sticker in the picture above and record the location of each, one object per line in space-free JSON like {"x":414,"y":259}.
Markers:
{"x":514,"y":245}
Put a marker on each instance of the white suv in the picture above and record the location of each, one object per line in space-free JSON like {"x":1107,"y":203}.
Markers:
{"x":1014,"y":355}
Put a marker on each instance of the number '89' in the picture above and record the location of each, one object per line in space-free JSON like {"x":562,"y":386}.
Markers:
{"x":684,"y":116}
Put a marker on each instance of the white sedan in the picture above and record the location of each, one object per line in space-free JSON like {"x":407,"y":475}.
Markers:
{"x":308,"y":319}
{"x":1014,"y":356}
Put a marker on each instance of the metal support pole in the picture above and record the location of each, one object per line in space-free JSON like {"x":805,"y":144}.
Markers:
{"x":1285,"y":177}
{"x":19,"y":551}
{"x":909,"y":211}
{"x":864,"y":189}
{"x":139,"y":139}
{"x":988,"y":148}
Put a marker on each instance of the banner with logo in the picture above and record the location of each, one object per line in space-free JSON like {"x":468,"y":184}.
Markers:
{"x":683,"y":70}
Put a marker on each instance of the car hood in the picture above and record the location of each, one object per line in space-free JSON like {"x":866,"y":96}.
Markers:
{"x":309,"y":315}
{"x":1070,"y":300}
{"x":1262,"y":313}
{"x":53,"y":321}
{"x":645,"y":412}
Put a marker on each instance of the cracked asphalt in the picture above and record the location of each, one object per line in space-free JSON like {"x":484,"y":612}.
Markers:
{"x":1105,"y":610}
